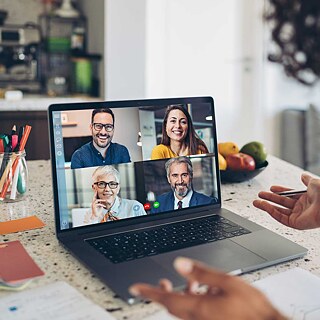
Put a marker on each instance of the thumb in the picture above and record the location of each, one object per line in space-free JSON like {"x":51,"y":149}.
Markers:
{"x":305,"y":178}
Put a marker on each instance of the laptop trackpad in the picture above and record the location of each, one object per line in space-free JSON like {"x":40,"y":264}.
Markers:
{"x":224,"y":255}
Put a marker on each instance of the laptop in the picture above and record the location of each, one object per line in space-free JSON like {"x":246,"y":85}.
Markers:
{"x":139,"y":242}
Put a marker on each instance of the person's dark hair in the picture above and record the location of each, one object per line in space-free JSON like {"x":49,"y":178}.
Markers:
{"x":296,"y":31}
{"x":179,"y":160}
{"x":102,"y":110}
{"x":192,"y":140}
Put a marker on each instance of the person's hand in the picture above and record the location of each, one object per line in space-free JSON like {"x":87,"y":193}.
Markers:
{"x":96,"y":204}
{"x":227,"y":297}
{"x":299,"y":212}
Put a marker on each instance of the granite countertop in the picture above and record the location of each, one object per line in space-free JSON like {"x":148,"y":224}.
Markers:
{"x":39,"y":102}
{"x":58,"y":264}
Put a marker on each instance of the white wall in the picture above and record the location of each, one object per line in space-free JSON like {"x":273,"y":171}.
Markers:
{"x":283,"y":92}
{"x":208,"y":47}
{"x":125,"y":49}
{"x":165,"y":48}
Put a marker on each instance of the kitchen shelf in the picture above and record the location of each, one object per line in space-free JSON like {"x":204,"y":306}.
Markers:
{"x":69,"y":124}
{"x":58,"y":39}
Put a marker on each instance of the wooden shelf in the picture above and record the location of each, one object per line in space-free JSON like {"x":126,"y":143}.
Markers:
{"x":69,"y":124}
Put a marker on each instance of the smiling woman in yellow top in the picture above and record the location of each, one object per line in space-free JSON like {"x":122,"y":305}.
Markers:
{"x":179,"y":137}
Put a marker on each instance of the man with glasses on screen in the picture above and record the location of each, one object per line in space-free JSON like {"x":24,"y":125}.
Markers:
{"x":180,"y":175}
{"x":101,"y":150}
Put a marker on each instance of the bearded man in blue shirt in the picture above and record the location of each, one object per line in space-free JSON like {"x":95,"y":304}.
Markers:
{"x":101,"y":150}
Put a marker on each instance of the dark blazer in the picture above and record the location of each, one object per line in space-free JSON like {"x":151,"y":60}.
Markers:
{"x":166,"y":201}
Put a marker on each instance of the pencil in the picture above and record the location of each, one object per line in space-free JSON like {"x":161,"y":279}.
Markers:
{"x":6,"y":171}
{"x":291,"y":193}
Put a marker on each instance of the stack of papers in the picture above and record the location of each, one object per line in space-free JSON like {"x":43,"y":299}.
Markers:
{"x":56,"y":301}
{"x":17,"y":268}
{"x":294,"y":292}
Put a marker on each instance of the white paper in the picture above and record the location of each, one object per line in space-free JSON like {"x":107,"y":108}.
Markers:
{"x":56,"y":301}
{"x":296,"y":293}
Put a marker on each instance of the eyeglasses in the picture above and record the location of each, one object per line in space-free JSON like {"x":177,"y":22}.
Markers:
{"x":103,"y":184}
{"x":99,"y":126}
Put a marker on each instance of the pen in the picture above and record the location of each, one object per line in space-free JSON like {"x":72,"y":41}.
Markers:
{"x":21,"y":132}
{"x":291,"y":193}
{"x":5,"y":159}
{"x":1,"y":145}
{"x":14,"y":138}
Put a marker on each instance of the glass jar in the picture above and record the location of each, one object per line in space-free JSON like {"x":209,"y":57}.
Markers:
{"x":13,"y":176}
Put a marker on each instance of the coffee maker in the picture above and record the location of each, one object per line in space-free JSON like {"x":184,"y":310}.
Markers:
{"x":20,"y":57}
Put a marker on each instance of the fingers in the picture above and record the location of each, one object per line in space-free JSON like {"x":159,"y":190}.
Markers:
{"x":275,"y":198}
{"x":268,"y":207}
{"x":166,"y":285}
{"x":279,"y":189}
{"x":180,"y":305}
{"x":305,"y":178}
{"x":280,"y":214}
{"x":196,"y":272}
{"x":94,"y":198}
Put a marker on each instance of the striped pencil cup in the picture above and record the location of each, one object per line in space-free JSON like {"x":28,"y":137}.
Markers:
{"x":13,"y":176}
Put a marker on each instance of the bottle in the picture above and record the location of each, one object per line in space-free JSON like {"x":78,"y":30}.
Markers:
{"x":78,"y":41}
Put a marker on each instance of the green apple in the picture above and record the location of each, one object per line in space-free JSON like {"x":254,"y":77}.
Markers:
{"x":256,"y":150}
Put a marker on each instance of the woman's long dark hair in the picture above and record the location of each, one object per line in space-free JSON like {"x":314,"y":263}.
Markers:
{"x":296,"y":31}
{"x":192,"y":140}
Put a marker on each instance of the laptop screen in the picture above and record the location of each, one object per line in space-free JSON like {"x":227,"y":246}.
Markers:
{"x":114,"y":161}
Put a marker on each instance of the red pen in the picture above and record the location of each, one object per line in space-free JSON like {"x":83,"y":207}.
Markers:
{"x":3,"y":142}
{"x":1,"y":146}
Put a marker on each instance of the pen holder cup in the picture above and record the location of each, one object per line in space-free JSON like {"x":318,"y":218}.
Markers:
{"x":13,"y":176}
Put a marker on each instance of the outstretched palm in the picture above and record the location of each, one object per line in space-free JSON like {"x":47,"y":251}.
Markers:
{"x":299,"y":212}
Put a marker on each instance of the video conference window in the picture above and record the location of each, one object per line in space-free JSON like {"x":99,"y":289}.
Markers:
{"x":134,"y":162}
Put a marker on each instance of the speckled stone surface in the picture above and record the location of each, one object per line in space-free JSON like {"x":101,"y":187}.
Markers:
{"x":58,"y":264}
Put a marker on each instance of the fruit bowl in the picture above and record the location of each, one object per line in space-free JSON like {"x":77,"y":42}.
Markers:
{"x":228,"y":176}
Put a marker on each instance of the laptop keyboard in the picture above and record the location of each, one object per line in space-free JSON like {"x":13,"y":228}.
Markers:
{"x":148,"y":242}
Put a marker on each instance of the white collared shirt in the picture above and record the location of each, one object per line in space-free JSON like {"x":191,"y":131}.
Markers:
{"x":185,"y":201}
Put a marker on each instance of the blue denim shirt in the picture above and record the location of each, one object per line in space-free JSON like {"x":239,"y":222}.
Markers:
{"x":89,"y":156}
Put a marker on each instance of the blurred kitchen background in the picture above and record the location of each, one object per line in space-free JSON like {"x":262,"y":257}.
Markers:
{"x":125,"y":49}
{"x":45,"y":48}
